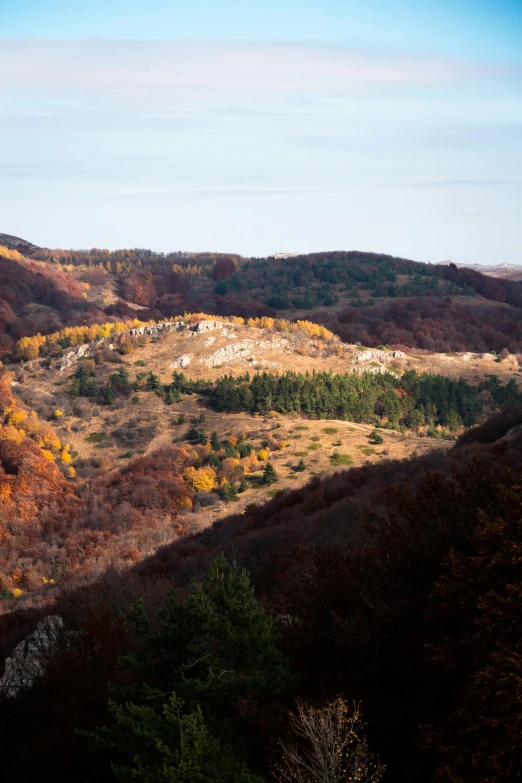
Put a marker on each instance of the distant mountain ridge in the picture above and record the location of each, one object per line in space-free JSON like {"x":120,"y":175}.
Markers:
{"x":505,"y":271}
{"x":16,"y":243}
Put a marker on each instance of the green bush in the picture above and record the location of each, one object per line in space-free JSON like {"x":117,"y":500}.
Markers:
{"x":95,"y":437}
{"x":341,"y":459}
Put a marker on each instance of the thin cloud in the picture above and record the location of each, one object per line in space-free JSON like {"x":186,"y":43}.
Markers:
{"x":212,"y":68}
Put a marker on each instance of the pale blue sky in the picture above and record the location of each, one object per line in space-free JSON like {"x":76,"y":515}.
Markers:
{"x":258,"y":127}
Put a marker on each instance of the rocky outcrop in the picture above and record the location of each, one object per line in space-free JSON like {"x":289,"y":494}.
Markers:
{"x":183,"y":361}
{"x":80,"y":352}
{"x":28,"y":659}
{"x":378,"y":356}
{"x":246,"y":350}
{"x":153,"y":330}
{"x":207,"y":326}
{"x":89,"y":349}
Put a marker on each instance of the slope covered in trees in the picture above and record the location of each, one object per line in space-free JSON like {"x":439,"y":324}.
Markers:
{"x":397,"y":586}
{"x":34,"y":298}
{"x":414,"y":400}
{"x":364,"y":297}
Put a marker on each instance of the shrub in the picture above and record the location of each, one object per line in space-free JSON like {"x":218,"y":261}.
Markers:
{"x":341,"y":459}
{"x":95,"y":437}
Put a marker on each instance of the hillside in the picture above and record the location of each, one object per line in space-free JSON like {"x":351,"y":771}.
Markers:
{"x":35,"y":298}
{"x":15,"y":243}
{"x":395,"y":579}
{"x":351,"y":457}
{"x":211,"y":405}
{"x":508,"y":271}
{"x":369,"y":298}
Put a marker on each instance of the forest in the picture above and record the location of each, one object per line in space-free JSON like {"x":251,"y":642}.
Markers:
{"x":399,"y":582}
{"x":382,"y":601}
{"x":413,"y":400}
{"x":368,"y":298}
{"x":37,"y":299}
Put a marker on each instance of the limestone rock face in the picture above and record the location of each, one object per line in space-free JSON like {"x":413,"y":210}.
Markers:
{"x":183,"y":361}
{"x":207,"y":326}
{"x":72,"y":356}
{"x":369,"y":356}
{"x":156,"y":329}
{"x":28,"y":659}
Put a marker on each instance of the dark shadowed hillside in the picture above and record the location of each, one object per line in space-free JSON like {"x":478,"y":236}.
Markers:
{"x":396,"y":585}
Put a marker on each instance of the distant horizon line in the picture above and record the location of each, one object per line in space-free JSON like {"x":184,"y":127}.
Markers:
{"x":275,"y":255}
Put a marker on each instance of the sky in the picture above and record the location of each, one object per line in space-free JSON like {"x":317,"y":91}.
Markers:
{"x":263,"y":126}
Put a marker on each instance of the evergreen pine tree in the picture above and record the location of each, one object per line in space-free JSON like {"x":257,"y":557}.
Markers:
{"x":178,"y":722}
{"x":214,"y":461}
{"x":109,"y":394}
{"x":269,"y":474}
{"x":215,"y":442}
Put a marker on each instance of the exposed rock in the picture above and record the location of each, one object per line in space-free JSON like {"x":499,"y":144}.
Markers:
{"x":72,"y":356}
{"x":245,"y":349}
{"x":156,"y":329}
{"x":28,"y":659}
{"x":183,"y":361}
{"x":231,"y":353}
{"x":207,"y":326}
{"x":399,"y":355}
{"x":369,"y":356}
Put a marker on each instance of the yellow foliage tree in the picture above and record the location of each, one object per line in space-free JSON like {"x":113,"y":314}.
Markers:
{"x":200,"y":479}
{"x":5,"y":493}
{"x":16,"y":417}
{"x":12,"y":434}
